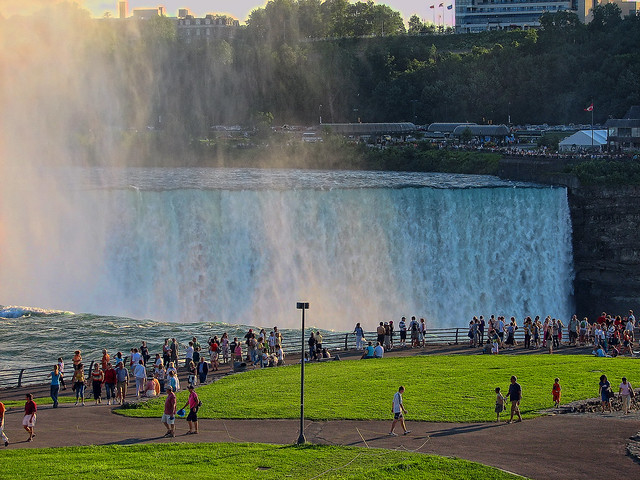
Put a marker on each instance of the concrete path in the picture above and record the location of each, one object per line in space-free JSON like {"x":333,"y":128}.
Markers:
{"x":566,"y":446}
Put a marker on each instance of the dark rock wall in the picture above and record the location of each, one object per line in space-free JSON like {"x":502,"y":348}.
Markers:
{"x":606,"y":249}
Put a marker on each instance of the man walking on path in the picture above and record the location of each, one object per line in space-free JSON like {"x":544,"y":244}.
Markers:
{"x":398,"y":412}
{"x":29,"y":420}
{"x":515,"y":395}
{"x":4,"y":437}
{"x":169,"y":416}
{"x":122,"y":375}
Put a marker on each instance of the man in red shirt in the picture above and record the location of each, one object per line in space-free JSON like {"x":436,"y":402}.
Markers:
{"x":29,"y":420}
{"x":4,"y":437}
{"x":602,"y":318}
{"x":169,"y":416}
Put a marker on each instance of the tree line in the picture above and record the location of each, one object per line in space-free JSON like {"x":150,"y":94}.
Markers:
{"x":93,"y":84}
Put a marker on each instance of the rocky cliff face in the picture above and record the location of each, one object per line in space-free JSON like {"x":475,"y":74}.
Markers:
{"x":606,"y":249}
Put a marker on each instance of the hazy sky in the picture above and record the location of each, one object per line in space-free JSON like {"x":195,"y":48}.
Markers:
{"x":237,"y":8}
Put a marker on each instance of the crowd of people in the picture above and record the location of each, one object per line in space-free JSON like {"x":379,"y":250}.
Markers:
{"x":415,"y":330}
{"x":609,"y":335}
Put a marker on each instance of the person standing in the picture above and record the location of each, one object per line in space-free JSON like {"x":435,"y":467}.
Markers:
{"x":318,"y":343}
{"x":169,"y":415}
{"x":79,"y":383}
{"x":605,"y":392}
{"x":514,"y":395}
{"x":110,"y":381}
{"x":423,"y":332}
{"x":144,"y":351}
{"x":398,"y":412}
{"x":557,"y":392}
{"x":97,"y":378}
{"x":194,"y":404}
{"x":174,"y":351}
{"x":122,"y":377}
{"x":140,"y":374}
{"x":105,"y":359}
{"x":359,"y":336}
{"x":312,"y":346}
{"x":166,"y":352}
{"x":188,"y":356}
{"x":55,"y":384}
{"x":481,"y":329}
{"x":626,"y":392}
{"x":203,"y":370}
{"x":29,"y":420}
{"x":2,"y":434}
{"x":61,"y":370}
{"x":403,"y":332}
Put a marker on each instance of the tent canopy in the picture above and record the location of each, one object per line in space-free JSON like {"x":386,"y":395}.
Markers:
{"x":582,"y":139}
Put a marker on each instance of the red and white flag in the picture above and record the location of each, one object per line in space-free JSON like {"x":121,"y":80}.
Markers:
{"x":589,"y":108}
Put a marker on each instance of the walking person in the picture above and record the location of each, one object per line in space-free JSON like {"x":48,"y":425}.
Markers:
{"x":110,"y":381}
{"x":29,"y":419}
{"x":626,"y":392}
{"x":557,"y":392}
{"x":56,"y":377}
{"x":605,"y":392}
{"x":5,"y":439}
{"x":399,"y":411}
{"x":122,"y":377}
{"x":169,"y":415}
{"x":514,"y":395}
{"x":194,"y":404}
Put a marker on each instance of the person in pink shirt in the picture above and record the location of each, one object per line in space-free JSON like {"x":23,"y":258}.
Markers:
{"x":194,"y":404}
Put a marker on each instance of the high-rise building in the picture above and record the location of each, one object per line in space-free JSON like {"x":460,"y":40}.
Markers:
{"x":481,"y":15}
{"x":123,"y":9}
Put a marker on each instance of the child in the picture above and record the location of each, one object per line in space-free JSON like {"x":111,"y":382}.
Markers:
{"x":556,"y":392}
{"x":499,"y":404}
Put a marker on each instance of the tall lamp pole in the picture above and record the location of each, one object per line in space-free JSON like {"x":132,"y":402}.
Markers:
{"x":301,"y":440}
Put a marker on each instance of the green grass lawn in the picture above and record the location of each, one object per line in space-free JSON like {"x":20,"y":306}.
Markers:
{"x":457,"y":388}
{"x":237,"y":461}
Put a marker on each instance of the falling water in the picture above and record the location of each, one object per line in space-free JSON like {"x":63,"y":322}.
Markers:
{"x":242,"y":246}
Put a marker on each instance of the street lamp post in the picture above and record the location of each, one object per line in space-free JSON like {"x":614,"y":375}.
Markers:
{"x":301,"y":440}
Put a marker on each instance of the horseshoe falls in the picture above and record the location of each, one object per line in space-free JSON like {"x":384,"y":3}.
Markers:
{"x":243,"y":246}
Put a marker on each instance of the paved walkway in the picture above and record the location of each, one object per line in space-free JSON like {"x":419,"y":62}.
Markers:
{"x":566,"y":446}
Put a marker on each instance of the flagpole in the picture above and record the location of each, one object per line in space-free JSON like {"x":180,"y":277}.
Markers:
{"x":592,"y":124}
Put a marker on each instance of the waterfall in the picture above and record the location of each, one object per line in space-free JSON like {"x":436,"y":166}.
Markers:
{"x":367,"y":255}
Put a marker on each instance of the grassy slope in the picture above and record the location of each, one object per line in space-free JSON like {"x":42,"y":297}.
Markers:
{"x":221,"y":460}
{"x":438,"y":388}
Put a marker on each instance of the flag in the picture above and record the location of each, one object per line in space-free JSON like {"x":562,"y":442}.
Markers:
{"x":589,"y":108}
{"x":449,"y":7}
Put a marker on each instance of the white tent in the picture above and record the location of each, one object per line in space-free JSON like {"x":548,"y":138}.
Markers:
{"x":582,"y":141}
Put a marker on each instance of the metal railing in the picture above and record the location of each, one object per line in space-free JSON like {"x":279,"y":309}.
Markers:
{"x":342,"y":341}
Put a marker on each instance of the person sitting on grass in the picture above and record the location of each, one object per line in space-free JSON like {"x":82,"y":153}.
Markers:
{"x":378,"y":352}
{"x":368,"y":351}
